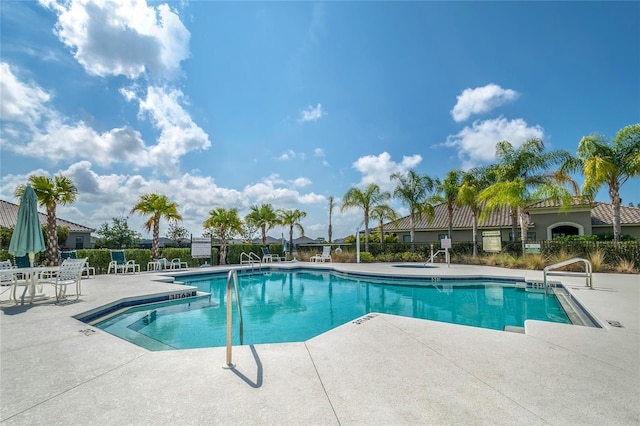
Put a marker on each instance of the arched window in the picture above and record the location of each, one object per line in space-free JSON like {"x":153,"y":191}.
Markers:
{"x":562,"y":229}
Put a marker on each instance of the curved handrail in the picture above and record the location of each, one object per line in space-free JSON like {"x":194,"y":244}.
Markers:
{"x":232,"y":278}
{"x":251,"y":258}
{"x":588,"y":270}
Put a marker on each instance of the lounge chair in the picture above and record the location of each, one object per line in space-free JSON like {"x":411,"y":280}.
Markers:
{"x":268,"y":257}
{"x":119,"y":263}
{"x":325,"y":256}
{"x":6,"y":273}
{"x":72,"y":254}
{"x":70,"y":273}
{"x":178,"y":264}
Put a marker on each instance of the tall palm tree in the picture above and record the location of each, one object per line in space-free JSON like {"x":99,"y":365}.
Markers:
{"x":610,"y":163}
{"x":331,"y":206}
{"x":51,"y":193}
{"x":223,"y":224}
{"x":381,"y":213}
{"x":366,"y":200}
{"x":263,"y":217}
{"x":447,"y":193}
{"x":522,"y":179}
{"x":473,"y":182}
{"x":156,"y":207}
{"x":415,"y":190}
{"x":291,"y":219}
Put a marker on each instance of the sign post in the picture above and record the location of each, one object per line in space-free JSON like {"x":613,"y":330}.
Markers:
{"x":201,"y":249}
{"x":445,"y":243}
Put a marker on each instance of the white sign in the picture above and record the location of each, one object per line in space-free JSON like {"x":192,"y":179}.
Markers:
{"x":445,"y":243}
{"x":532,"y":248}
{"x":200,"y":248}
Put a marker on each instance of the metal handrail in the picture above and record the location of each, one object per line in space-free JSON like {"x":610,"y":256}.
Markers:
{"x":434,"y":255}
{"x":588,"y":271}
{"x":232,"y":278}
{"x":252,"y":259}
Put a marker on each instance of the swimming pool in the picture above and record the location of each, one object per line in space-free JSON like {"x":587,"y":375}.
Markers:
{"x":294,"y":306}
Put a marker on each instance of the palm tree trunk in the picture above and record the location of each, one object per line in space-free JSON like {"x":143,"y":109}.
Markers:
{"x":412,"y":232}
{"x":291,"y":241}
{"x":524,"y":228}
{"x":514,"y":224}
{"x":366,"y":232}
{"x":264,"y":234}
{"x":614,"y":194}
{"x":52,"y":237}
{"x":223,"y":251}
{"x":450,"y":213}
{"x":156,"y":239}
{"x":475,"y":234}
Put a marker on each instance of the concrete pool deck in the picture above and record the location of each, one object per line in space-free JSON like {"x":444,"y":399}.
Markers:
{"x":383,"y":369}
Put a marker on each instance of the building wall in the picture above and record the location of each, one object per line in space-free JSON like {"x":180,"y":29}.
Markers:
{"x":633,"y":230}
{"x":78,"y":240}
{"x":543,"y":222}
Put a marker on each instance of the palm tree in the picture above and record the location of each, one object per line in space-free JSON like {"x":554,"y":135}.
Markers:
{"x":522,"y":180}
{"x":223,"y":224}
{"x":51,"y":192}
{"x":331,"y":206}
{"x":610,"y":163}
{"x":447,"y":193}
{"x":414,"y":190}
{"x":473,"y":182}
{"x":263,"y":217}
{"x":292,"y":218}
{"x":366,"y":200}
{"x":381,"y":213}
{"x":157,"y":207}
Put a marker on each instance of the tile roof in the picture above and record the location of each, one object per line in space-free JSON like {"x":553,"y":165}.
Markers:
{"x":9,"y":213}
{"x":601,"y":214}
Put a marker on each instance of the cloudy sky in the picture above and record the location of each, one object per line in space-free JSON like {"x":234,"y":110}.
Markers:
{"x":230,"y":104}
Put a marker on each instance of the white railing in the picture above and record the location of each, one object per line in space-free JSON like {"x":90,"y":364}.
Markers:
{"x":232,"y":279}
{"x":250,"y":259}
{"x":588,"y":271}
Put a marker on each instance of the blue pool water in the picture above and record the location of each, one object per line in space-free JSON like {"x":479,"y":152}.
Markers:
{"x":296,"y":306}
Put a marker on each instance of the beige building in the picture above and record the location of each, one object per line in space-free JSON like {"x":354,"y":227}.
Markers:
{"x":547,"y":221}
{"x":79,"y":235}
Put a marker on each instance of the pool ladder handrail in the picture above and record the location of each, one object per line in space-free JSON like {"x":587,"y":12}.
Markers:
{"x":251,"y":259}
{"x":588,"y":271}
{"x":232,"y":278}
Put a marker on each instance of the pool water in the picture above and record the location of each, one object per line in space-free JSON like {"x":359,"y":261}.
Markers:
{"x":296,"y":306}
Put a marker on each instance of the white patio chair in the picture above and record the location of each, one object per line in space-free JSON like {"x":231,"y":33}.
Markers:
{"x":70,"y":273}
{"x":325,"y":256}
{"x":178,"y":264}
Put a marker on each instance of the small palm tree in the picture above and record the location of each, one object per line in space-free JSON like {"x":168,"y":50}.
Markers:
{"x":447,"y":193}
{"x":522,"y":180}
{"x":156,"y":207}
{"x":414,"y":190}
{"x":381,"y":213}
{"x":291,"y":219}
{"x":473,"y":183}
{"x":366,"y":200}
{"x":331,"y":206}
{"x":223,"y":224}
{"x":610,"y":163}
{"x":528,"y":163}
{"x":51,"y":193}
{"x":264,"y":217}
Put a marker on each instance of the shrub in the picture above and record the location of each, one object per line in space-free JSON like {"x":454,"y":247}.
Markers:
{"x":597,"y":260}
{"x":366,"y":257}
{"x":626,"y":267}
{"x":535,"y":262}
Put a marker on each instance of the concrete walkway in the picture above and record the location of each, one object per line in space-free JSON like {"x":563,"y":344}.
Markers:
{"x":381,"y":369}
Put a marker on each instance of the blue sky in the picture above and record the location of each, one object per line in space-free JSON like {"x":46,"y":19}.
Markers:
{"x":230,"y":104}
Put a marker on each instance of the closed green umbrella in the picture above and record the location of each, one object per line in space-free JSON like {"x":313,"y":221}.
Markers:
{"x":27,"y":234}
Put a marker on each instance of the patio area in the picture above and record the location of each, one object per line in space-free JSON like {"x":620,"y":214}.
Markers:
{"x":55,"y":369}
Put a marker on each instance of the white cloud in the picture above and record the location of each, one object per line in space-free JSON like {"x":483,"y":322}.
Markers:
{"x":292,"y":155}
{"x":377,"y":169}
{"x":129,"y":38}
{"x":178,"y":133}
{"x":311,"y":113}
{"x":21,"y":102}
{"x":481,"y":100}
{"x":477,"y":144}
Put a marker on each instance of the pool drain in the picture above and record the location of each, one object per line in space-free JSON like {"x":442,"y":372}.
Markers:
{"x":615,"y":324}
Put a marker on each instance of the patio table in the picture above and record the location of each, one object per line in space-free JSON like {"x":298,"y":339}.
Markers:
{"x":30,"y":278}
